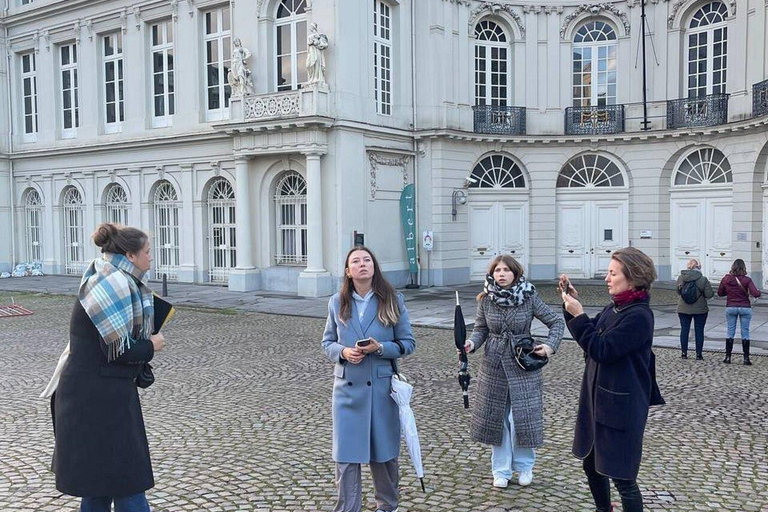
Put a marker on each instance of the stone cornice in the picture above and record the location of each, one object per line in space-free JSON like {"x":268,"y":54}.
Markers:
{"x":655,"y":135}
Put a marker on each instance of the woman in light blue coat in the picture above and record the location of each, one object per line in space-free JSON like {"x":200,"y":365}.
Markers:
{"x":366,"y":332}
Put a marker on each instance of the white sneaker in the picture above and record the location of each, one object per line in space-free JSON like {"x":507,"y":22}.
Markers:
{"x":526,"y":477}
{"x":500,"y":482}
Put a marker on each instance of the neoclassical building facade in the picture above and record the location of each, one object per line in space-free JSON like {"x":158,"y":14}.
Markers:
{"x":525,"y":128}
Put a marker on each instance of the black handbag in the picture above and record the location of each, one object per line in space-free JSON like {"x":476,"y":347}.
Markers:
{"x":526,"y":359}
{"x":145,"y":378}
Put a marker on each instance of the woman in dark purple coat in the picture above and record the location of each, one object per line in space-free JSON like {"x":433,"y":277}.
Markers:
{"x":737,"y":287}
{"x":619,"y":382}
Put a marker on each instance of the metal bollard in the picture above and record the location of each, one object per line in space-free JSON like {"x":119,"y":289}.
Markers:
{"x":165,"y":285}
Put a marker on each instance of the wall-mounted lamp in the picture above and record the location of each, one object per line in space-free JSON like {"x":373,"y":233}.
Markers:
{"x":458,"y":197}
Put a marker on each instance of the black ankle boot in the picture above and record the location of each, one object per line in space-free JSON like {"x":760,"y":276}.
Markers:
{"x":728,"y":350}
{"x":745,"y":348}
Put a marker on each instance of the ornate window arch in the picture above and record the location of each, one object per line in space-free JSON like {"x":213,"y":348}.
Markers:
{"x":497,"y":172}
{"x":291,"y":219}
{"x":493,"y":69}
{"x":590,"y":171}
{"x":706,"y":166}
{"x":116,"y":204}
{"x":290,"y":45}
{"x":222,"y":230}
{"x":707,"y":47}
{"x":165,"y":202}
{"x":595,"y":64}
{"x":74,"y":238}
{"x":33,"y":220}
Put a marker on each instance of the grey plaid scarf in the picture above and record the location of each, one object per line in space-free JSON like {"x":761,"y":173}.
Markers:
{"x":117,"y":301}
{"x":513,"y":296}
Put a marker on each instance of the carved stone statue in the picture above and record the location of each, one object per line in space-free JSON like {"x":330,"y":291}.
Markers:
{"x":239,"y":76}
{"x":316,"y":45}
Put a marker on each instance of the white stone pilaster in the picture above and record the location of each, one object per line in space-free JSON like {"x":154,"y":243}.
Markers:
{"x":244,"y":277}
{"x":315,"y":281}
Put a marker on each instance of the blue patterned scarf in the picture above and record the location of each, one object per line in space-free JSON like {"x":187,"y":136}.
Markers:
{"x":117,"y":301}
{"x":514,"y":296}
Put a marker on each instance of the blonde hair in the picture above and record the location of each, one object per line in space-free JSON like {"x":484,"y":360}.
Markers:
{"x":693,"y":263}
{"x":510,"y":262}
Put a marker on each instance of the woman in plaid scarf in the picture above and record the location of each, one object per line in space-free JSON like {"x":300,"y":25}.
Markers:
{"x":101,"y":452}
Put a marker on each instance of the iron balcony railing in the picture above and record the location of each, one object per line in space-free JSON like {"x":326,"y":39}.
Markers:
{"x":707,"y":110}
{"x":497,"y":119}
{"x":594,"y":120}
{"x":760,"y":99}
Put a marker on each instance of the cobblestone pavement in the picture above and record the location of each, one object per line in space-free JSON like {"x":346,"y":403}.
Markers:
{"x":239,"y":420}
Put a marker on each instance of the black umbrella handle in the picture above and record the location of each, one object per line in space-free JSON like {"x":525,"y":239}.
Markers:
{"x":466,"y":400}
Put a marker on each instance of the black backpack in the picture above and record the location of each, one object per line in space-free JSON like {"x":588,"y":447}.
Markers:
{"x":689,"y":292}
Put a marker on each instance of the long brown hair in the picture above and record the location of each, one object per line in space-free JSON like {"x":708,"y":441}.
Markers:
{"x":389,"y":309}
{"x":739,"y":268}
{"x":510,"y":262}
{"x":119,"y":239}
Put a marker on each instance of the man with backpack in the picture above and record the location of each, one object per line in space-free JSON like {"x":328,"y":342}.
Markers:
{"x":694,"y":290}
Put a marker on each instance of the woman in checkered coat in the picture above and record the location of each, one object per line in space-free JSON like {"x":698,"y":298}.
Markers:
{"x":507,"y":412}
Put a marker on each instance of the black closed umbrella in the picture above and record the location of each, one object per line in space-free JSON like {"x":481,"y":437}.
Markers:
{"x":460,"y":337}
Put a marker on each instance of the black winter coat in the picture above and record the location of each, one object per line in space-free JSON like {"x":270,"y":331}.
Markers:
{"x":101,"y":445}
{"x":618,"y":386}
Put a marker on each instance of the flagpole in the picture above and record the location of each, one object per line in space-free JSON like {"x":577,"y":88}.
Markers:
{"x":646,"y":123}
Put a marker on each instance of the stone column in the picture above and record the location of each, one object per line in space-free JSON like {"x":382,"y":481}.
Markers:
{"x":245,"y":276}
{"x":315,"y":281}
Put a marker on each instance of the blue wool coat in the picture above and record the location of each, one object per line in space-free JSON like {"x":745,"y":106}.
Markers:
{"x":618,"y":386}
{"x":366,"y":422}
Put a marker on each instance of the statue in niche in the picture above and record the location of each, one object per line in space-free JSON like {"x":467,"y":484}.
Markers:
{"x":239,"y":76}
{"x":316,"y":45}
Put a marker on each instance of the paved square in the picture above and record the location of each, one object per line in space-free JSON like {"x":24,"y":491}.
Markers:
{"x":239,"y":420}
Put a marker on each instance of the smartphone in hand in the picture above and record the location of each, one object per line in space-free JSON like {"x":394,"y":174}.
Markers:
{"x":363,"y":343}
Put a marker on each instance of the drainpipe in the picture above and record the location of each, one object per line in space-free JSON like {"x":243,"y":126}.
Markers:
{"x":10,"y":142}
{"x":415,"y":143}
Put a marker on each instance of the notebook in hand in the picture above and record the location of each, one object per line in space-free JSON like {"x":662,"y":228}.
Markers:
{"x":164,"y":311}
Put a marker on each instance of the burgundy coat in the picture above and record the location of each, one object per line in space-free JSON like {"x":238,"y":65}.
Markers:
{"x":736,"y":297}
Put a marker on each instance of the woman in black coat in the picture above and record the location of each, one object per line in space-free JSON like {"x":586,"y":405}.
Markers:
{"x":619,"y":382}
{"x":101,"y":452}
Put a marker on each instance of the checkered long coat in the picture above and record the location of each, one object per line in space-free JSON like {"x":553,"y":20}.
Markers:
{"x":501,"y":381}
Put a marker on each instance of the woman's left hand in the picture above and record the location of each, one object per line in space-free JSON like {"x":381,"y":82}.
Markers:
{"x":572,"y":305}
{"x":543,"y":351}
{"x":372,"y":347}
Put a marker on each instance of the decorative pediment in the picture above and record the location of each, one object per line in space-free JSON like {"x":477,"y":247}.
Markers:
{"x":682,"y":3}
{"x":494,"y":8}
{"x":594,"y":9}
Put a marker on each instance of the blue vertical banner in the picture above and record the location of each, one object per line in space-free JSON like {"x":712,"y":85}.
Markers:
{"x":408,"y":218}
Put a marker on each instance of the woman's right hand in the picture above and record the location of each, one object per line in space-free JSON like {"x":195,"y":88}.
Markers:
{"x":352,"y":354}
{"x":565,"y":286}
{"x":468,"y":347}
{"x":158,"y":341}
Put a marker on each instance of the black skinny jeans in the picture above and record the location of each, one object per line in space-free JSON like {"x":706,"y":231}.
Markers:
{"x":699,"y":321}
{"x":600,"y":487}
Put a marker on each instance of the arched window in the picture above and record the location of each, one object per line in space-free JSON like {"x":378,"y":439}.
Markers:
{"x":587,"y":171}
{"x":74,"y":239}
{"x":166,"y":211}
{"x":221,"y":230}
{"x":594,"y":65}
{"x":497,"y":171}
{"x":33,"y":217}
{"x":116,"y":205}
{"x":492,"y":65}
{"x":706,"y":166}
{"x":707,"y":50}
{"x":291,"y":214}
{"x":291,"y":44}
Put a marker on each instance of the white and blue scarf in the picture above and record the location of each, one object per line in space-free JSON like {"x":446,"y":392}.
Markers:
{"x":513,"y":296}
{"x":117,"y":301}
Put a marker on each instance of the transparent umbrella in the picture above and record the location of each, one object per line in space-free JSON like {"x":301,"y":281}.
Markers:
{"x":401,"y":394}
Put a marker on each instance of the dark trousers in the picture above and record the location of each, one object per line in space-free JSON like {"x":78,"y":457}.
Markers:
{"x":600,"y":487}
{"x":698,"y":330}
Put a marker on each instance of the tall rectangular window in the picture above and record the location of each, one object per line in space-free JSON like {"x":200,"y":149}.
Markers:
{"x":382,"y":57}
{"x":70,"y":103}
{"x":29,"y":91}
{"x":218,"y":59}
{"x":114,"y":104}
{"x":163,"y":99}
